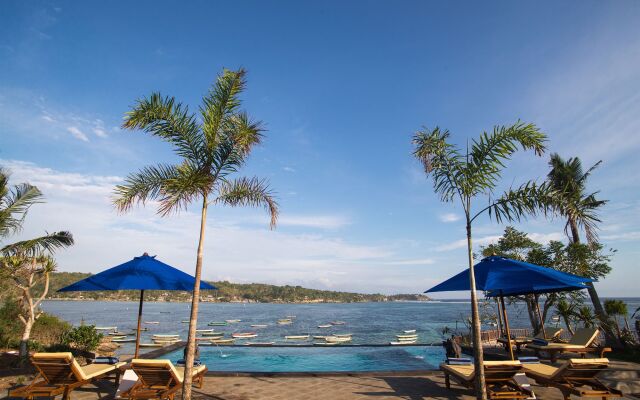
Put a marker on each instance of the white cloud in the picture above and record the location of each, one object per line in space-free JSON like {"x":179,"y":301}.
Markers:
{"x":81,"y":203}
{"x":449,"y":217}
{"x":487,"y":240}
{"x":314,"y":221}
{"x":288,"y":169}
{"x":77,"y":133}
{"x":626,"y":236}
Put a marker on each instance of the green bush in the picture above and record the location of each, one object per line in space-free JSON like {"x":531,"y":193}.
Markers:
{"x":49,"y":329}
{"x":10,"y":325}
{"x":84,"y":338}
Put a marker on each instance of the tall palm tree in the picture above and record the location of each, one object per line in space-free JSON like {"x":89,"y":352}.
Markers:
{"x":462,"y":177}
{"x":567,"y":311}
{"x":24,"y":263}
{"x":210,"y":151}
{"x":580,"y":208}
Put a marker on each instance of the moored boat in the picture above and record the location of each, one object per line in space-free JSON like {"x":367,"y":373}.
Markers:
{"x":297,"y":337}
{"x":325,"y":326}
{"x":259,"y":325}
{"x":106,"y":328}
{"x":410,"y":331}
{"x":217,"y":323}
{"x":335,"y":339}
{"x":204,"y":330}
{"x":337,"y":323}
{"x":222,"y":341}
{"x":285,"y":321}
{"x":152,"y":322}
{"x":244,"y":335}
{"x":233,"y":321}
{"x":259,"y":344}
{"x":125,"y":340}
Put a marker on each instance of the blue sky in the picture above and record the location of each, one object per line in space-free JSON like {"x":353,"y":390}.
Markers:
{"x":341,"y":86}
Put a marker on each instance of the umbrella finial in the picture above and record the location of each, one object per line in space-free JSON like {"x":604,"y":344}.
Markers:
{"x":145,"y":254}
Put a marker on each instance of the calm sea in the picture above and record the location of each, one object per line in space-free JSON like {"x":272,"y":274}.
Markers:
{"x":369,"y":323}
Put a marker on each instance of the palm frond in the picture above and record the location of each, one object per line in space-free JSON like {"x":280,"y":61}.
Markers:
{"x":514,"y":204}
{"x":441,"y":160}
{"x":142,"y":186}
{"x":39,"y":246}
{"x":169,"y":120}
{"x":245,"y":132}
{"x":252,"y":192}
{"x":14,"y":206}
{"x":488,"y":154}
{"x":189,"y":183}
{"x":221,"y":102}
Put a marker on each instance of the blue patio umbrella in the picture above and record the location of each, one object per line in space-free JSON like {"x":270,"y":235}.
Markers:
{"x":142,"y":273}
{"x":501,"y":276}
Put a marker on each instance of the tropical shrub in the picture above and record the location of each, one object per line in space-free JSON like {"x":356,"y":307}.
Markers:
{"x":83,"y":338}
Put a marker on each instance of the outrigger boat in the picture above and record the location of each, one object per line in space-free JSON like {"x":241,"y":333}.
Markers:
{"x":233,"y":321}
{"x":325,"y":326}
{"x":325,"y":343}
{"x":402,"y":342}
{"x":285,"y":321}
{"x":400,"y":337}
{"x":410,"y":331}
{"x":297,"y":337}
{"x":259,"y":344}
{"x":116,"y":333}
{"x":259,"y":325}
{"x":320,"y":337}
{"x":106,"y":328}
{"x":244,"y":335}
{"x":151,"y":345}
{"x":142,"y":329}
{"x":337,"y":323}
{"x":166,"y":336}
{"x":222,"y":341}
{"x":114,"y":338}
{"x":335,"y":339}
{"x":123,"y":340}
{"x":212,"y":334}
{"x":217,"y":323}
{"x":343,"y":335}
{"x":204,"y":330}
{"x":152,"y":322}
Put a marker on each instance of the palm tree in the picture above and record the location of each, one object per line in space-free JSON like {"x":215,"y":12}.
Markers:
{"x":210,"y":151}
{"x":616,"y":309}
{"x":459,"y":177}
{"x":580,"y":208}
{"x":585,"y":314}
{"x":24,"y":263}
{"x":567,"y":311}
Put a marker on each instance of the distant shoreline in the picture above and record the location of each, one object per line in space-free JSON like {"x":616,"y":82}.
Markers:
{"x":242,"y":302}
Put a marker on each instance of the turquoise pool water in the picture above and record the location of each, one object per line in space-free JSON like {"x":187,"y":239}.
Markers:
{"x":317,"y":359}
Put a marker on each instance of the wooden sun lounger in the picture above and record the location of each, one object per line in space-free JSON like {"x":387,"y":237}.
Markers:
{"x":548,"y":334}
{"x":576,"y":376}
{"x":60,"y":373}
{"x":160,"y":379}
{"x":499,"y":377}
{"x":581,"y":343}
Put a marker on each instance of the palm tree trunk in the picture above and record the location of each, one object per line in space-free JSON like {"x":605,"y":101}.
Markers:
{"x":195,"y":300}
{"x":481,"y":392}
{"x":612,"y":339}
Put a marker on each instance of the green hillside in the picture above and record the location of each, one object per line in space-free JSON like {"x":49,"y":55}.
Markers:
{"x":227,"y":292}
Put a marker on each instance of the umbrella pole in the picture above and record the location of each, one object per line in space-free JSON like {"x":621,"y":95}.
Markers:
{"x":500,"y":325}
{"x":139,"y":321}
{"x":506,"y":326}
{"x":544,"y":334}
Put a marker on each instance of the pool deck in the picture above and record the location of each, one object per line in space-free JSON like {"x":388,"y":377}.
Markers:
{"x":331,"y":387}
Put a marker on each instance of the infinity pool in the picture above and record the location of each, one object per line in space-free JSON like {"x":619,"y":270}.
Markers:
{"x":317,"y":359}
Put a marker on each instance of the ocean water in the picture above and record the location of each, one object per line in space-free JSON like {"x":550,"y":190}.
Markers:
{"x":369,"y":323}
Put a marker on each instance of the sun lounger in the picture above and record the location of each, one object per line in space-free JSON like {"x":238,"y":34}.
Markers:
{"x":576,"y":376}
{"x":499,"y":378}
{"x":543,"y":337}
{"x":581,"y":342}
{"x":160,"y":379}
{"x":60,"y":373}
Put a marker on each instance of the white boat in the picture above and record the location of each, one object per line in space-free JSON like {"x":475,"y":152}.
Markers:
{"x":325,"y":326}
{"x":233,"y":321}
{"x":123,"y":340}
{"x":114,"y":338}
{"x":343,"y":335}
{"x":259,"y":344}
{"x":337,"y":323}
{"x":297,"y":337}
{"x":106,"y":328}
{"x":151,"y":322}
{"x":204,"y":330}
{"x":410,"y":331}
{"x":217,"y":323}
{"x":118,"y":334}
{"x":402,"y":342}
{"x":407,"y":336}
{"x":185,"y":321}
{"x":284,"y":322}
{"x":320,"y":337}
{"x":291,"y":316}
{"x":335,"y":339}
{"x":244,"y":335}
{"x":166,"y":336}
{"x":208,"y":334}
{"x":259,"y":325}
{"x":151,"y":344}
{"x":325,"y":343}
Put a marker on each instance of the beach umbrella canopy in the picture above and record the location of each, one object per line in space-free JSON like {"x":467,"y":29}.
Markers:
{"x":501,"y":276}
{"x":142,"y":273}
{"x":507,"y":277}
